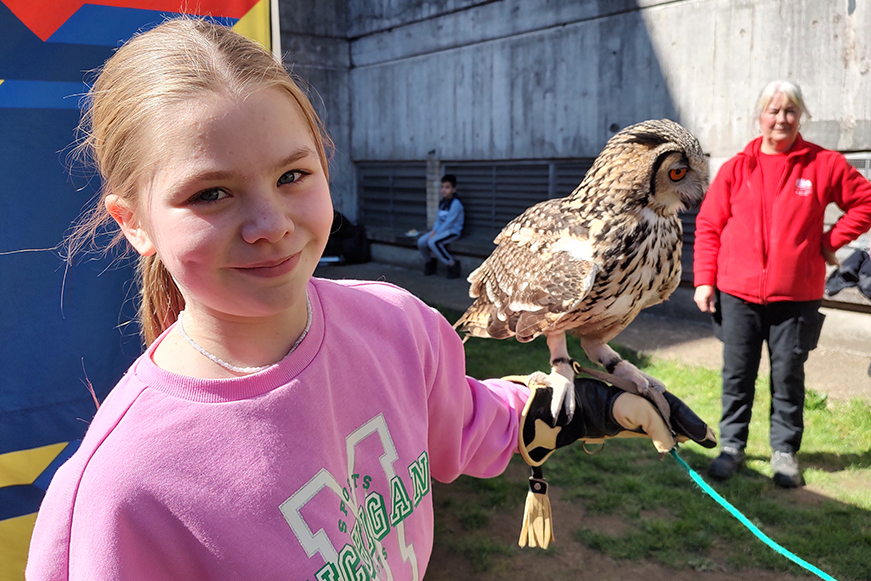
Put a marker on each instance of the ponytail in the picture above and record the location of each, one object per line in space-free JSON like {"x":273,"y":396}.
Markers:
{"x":160,"y":299}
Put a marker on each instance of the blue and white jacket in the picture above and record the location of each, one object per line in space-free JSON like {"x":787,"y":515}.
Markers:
{"x":450,"y":218}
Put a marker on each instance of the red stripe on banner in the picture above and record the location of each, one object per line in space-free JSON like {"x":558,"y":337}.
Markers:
{"x":44,"y":17}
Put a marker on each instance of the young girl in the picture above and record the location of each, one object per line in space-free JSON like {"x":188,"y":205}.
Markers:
{"x":278,"y":426}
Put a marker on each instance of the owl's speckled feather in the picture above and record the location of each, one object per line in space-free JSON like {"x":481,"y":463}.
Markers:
{"x":590,"y":262}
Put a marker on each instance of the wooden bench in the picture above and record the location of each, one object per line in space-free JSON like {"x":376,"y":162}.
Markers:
{"x":469,"y":245}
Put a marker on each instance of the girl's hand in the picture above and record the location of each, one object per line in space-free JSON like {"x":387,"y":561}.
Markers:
{"x":704,"y":298}
{"x":830,"y":257}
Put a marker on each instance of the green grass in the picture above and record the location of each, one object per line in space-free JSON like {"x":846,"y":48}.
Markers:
{"x":472,"y":504}
{"x":667,"y":518}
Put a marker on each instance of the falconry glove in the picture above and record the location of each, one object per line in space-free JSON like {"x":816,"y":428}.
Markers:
{"x":602,"y":412}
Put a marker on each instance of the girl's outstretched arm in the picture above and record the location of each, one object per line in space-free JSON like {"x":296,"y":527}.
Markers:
{"x":473,"y":424}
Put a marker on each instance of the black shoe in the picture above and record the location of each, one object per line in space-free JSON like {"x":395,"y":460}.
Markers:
{"x":454,"y":269}
{"x":726,"y":464}
{"x":429,"y":267}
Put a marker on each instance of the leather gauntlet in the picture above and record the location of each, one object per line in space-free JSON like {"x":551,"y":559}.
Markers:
{"x":602,"y":412}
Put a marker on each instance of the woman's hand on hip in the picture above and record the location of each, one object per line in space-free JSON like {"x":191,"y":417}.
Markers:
{"x":704,"y":298}
{"x":830,"y":257}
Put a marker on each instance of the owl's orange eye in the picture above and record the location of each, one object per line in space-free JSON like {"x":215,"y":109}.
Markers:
{"x":677,"y":175}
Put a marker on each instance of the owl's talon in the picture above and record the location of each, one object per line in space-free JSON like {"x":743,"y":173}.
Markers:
{"x":563,"y":395}
{"x":569,"y":403}
{"x":654,"y":383}
{"x":538,"y":377}
{"x":643,"y":382}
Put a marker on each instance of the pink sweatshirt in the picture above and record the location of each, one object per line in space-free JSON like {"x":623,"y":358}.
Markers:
{"x":317,"y":468}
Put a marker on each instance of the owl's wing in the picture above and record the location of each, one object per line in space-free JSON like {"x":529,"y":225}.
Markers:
{"x":541,"y":270}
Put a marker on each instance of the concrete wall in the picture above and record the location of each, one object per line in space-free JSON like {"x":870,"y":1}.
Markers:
{"x":718,"y":54}
{"x":533,"y":79}
{"x":516,"y":79}
{"x":315,"y":46}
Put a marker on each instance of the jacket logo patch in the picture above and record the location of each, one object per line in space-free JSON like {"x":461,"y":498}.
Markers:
{"x":804,"y":187}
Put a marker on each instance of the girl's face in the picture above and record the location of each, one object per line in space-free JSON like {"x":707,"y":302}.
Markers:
{"x":779,"y":123}
{"x":239,"y":207}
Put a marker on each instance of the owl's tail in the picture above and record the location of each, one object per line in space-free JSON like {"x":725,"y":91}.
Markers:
{"x":478,"y":321}
{"x":474,"y":321}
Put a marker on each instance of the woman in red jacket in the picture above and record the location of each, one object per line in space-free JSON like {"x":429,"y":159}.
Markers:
{"x":760,"y":264}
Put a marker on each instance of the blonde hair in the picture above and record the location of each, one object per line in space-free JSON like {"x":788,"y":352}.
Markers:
{"x":789,"y":89}
{"x":178,"y":60}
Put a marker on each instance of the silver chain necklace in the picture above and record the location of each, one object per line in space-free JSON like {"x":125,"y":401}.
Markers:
{"x":234,"y":368}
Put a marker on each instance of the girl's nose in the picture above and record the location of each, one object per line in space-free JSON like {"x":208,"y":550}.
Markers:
{"x":267,"y":219}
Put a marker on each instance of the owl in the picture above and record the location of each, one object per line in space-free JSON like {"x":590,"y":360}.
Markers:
{"x":590,"y":262}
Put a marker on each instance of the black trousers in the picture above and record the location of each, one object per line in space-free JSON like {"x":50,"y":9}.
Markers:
{"x":791,"y":330}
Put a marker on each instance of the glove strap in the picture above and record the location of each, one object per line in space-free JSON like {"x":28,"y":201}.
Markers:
{"x":537,"y":529}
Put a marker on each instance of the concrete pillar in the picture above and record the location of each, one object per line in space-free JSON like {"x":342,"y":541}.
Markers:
{"x":433,"y":184}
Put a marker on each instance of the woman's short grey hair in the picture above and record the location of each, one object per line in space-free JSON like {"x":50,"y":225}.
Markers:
{"x":788,"y":88}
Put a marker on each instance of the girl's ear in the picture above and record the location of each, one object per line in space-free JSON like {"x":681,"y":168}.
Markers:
{"x":130,"y":225}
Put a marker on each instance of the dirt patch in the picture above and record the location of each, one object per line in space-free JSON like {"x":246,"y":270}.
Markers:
{"x":490,"y":552}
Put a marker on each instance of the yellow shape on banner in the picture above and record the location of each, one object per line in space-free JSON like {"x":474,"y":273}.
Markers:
{"x":255,"y":24}
{"x":15,"y":536}
{"x":24,"y":466}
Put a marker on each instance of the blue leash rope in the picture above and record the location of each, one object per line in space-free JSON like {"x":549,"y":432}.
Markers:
{"x":746,"y":522}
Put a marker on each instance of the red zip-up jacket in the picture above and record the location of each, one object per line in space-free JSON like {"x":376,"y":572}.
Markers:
{"x":761,"y":258}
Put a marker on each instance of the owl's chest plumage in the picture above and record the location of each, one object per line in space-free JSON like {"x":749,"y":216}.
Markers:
{"x":638,"y":265}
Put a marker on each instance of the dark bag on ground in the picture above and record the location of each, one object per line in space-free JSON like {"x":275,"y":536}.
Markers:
{"x":855,"y":271}
{"x":347,"y":241}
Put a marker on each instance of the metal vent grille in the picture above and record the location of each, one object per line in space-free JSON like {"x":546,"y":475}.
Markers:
{"x":861,"y":161}
{"x":392,"y":196}
{"x":568,"y":175}
{"x":494,"y":194}
{"x":688,"y":222}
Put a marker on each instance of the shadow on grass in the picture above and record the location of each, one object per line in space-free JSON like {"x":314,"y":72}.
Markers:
{"x":835,"y":462}
{"x":826,"y":461}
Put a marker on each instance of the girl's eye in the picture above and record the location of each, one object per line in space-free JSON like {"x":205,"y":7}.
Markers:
{"x":677,"y":174}
{"x":290,"y":177}
{"x":209,"y":196}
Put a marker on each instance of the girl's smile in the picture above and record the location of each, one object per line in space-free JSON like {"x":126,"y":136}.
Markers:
{"x":270,"y":269}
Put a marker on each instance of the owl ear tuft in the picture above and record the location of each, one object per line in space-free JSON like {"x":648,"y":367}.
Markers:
{"x":647,"y":138}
